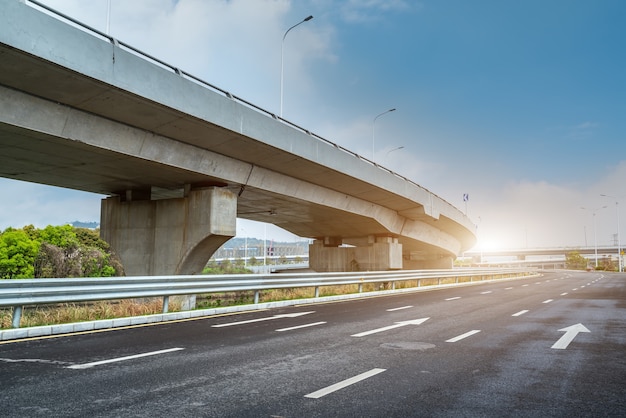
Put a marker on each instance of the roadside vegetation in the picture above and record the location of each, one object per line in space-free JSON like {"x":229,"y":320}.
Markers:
{"x":56,"y":251}
{"x":575,"y":261}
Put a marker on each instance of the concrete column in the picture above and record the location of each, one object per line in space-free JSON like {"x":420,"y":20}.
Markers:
{"x":375,"y":254}
{"x":441,"y":262}
{"x":170,"y":236}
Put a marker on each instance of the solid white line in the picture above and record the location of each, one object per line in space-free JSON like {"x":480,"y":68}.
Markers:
{"x":300,"y":326}
{"x":269,"y":318}
{"x":400,"y":308}
{"x":547,"y":301}
{"x":396,"y":325}
{"x":114,"y":360}
{"x":374,"y":331}
{"x":343,"y":384}
{"x":455,"y":298}
{"x":460,"y":337}
{"x":520,"y":312}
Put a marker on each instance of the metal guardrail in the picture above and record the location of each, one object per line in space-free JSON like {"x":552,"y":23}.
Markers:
{"x":17,"y":293}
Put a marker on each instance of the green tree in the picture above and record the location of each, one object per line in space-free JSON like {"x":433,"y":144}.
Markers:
{"x":56,"y":251}
{"x":18,"y":251}
{"x":575,"y":261}
{"x":75,"y":252}
{"x":61,"y":236}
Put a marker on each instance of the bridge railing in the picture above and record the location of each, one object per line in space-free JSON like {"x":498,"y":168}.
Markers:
{"x":206,"y":84}
{"x":17,"y":293}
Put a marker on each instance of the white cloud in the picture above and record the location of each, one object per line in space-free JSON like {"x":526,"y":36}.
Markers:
{"x":541,"y":214}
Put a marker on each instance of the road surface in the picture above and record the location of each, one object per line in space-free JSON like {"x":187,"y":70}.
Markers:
{"x":549,"y":346}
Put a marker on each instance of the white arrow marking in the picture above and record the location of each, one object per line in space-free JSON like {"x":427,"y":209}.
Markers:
{"x":570,"y":333}
{"x":396,"y":325}
{"x":269,"y":318}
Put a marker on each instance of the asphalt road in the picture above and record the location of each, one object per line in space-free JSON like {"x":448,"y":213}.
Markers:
{"x":550,"y":346}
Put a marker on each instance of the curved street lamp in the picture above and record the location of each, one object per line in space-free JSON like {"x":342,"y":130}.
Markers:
{"x":392,"y":150}
{"x":595,"y":234}
{"x":374,"y":125}
{"x":619,"y":249}
{"x":282,"y":61}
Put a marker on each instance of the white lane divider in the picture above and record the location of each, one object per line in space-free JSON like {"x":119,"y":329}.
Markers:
{"x":563,"y":294}
{"x":400,"y":308}
{"x":455,"y":298}
{"x":520,"y":312}
{"x":115,"y":360}
{"x":301,"y":326}
{"x":269,"y":318}
{"x":547,"y":301}
{"x":333,"y":388}
{"x":486,"y":292}
{"x":388,"y":327}
{"x":462,"y":336}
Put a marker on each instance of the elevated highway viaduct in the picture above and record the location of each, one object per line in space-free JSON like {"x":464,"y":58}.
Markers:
{"x":179,"y":160}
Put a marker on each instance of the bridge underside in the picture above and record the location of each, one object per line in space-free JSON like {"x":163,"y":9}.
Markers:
{"x":53,"y":144}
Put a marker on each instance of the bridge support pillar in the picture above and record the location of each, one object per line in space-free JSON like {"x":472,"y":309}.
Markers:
{"x":419,"y":263}
{"x":169,"y":236}
{"x":378,"y":254}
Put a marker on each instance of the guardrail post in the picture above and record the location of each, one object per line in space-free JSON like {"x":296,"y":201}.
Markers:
{"x":256,"y":297}
{"x":166,"y":304}
{"x":17,"y":316}
{"x":317,"y":291}
{"x":419,"y":282}
{"x":360,"y":287}
{"x":438,"y":281}
{"x":393,"y":285}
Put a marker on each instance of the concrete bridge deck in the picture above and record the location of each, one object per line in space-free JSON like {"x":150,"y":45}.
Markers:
{"x":84,"y":111}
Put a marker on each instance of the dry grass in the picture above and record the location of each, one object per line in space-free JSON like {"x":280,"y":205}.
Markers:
{"x":74,"y":312}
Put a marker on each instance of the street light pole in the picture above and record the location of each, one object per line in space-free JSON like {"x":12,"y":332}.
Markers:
{"x":595,"y":234}
{"x":619,"y":249}
{"x":374,"y":125}
{"x":282,"y":61}
{"x":392,"y":150}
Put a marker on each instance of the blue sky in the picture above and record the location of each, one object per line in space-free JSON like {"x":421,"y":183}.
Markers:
{"x":520,"y":104}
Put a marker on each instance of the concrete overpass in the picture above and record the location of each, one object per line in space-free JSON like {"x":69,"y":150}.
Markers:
{"x":181,"y":159}
{"x":522,"y":253}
